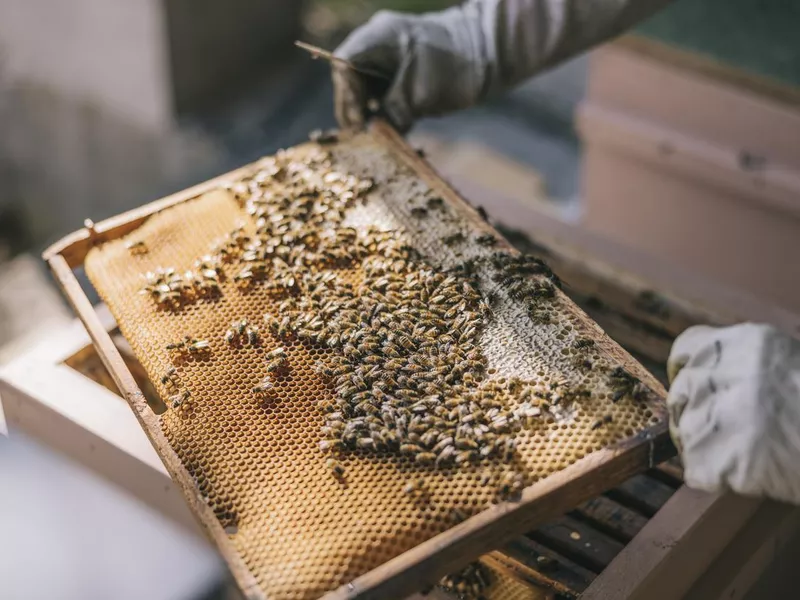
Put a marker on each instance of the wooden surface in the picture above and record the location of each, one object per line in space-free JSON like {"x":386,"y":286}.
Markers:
{"x":439,"y":555}
{"x":619,"y":521}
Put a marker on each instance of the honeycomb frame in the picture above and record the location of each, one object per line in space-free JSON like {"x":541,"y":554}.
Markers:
{"x":445,"y":549}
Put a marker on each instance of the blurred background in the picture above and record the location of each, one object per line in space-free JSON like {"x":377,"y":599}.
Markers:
{"x":677,"y":148}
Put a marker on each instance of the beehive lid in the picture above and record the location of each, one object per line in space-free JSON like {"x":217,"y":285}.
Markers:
{"x":352,"y":363}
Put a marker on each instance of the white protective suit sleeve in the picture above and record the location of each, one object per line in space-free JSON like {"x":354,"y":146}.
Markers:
{"x":445,"y":61}
{"x":734,"y":407}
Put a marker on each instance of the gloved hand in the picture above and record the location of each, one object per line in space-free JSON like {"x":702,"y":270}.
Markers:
{"x":444,"y":61}
{"x":734,"y":406}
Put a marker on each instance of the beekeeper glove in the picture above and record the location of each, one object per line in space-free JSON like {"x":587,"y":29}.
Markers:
{"x":734,"y":407}
{"x":444,"y":61}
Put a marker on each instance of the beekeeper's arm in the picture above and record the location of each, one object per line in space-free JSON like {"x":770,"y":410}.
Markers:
{"x":734,"y":407}
{"x":444,"y":61}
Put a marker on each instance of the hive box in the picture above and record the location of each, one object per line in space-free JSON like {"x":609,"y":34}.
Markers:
{"x":695,"y":164}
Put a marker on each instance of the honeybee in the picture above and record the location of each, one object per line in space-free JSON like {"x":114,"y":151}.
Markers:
{"x":445,"y":455}
{"x":275,"y":364}
{"x":466,"y":444}
{"x":329,"y":445}
{"x":581,"y":343}
{"x":425,"y":458}
{"x":283,"y":327}
{"x":510,"y":484}
{"x":198,"y":346}
{"x":336,"y":469}
{"x":602,"y":421}
{"x":323,"y":137}
{"x":410,"y":448}
{"x":486,"y":239}
{"x":136,"y":248}
{"x":264,"y":386}
{"x":176,"y":400}
{"x":451,"y":240}
{"x":435,"y":202}
{"x":189,"y":344}
{"x":465,"y":456}
{"x":167,"y":378}
{"x":365,"y":443}
{"x":276,"y":353}
{"x":246,"y":275}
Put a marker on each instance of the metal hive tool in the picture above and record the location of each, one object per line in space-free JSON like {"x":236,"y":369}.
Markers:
{"x":298,"y":507}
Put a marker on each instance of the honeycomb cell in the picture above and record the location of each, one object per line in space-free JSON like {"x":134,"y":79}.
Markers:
{"x":338,"y":273}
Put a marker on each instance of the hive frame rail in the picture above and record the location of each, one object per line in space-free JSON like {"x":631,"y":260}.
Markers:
{"x":444,"y":553}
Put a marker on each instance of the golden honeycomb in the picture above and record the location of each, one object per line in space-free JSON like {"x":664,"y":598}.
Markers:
{"x":343,"y":261}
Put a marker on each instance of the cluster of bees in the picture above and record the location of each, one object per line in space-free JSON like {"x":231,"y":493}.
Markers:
{"x":189,"y":345}
{"x":625,"y":384}
{"x":470,"y":583}
{"x":408,"y":368}
{"x":242,"y":332}
{"x":405,"y":365}
{"x":171,"y":289}
{"x":518,"y":277}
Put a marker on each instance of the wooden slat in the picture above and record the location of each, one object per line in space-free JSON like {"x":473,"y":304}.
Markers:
{"x":611,"y":518}
{"x":642,"y":493}
{"x":579,"y":542}
{"x":669,"y":472}
{"x":554,"y":569}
